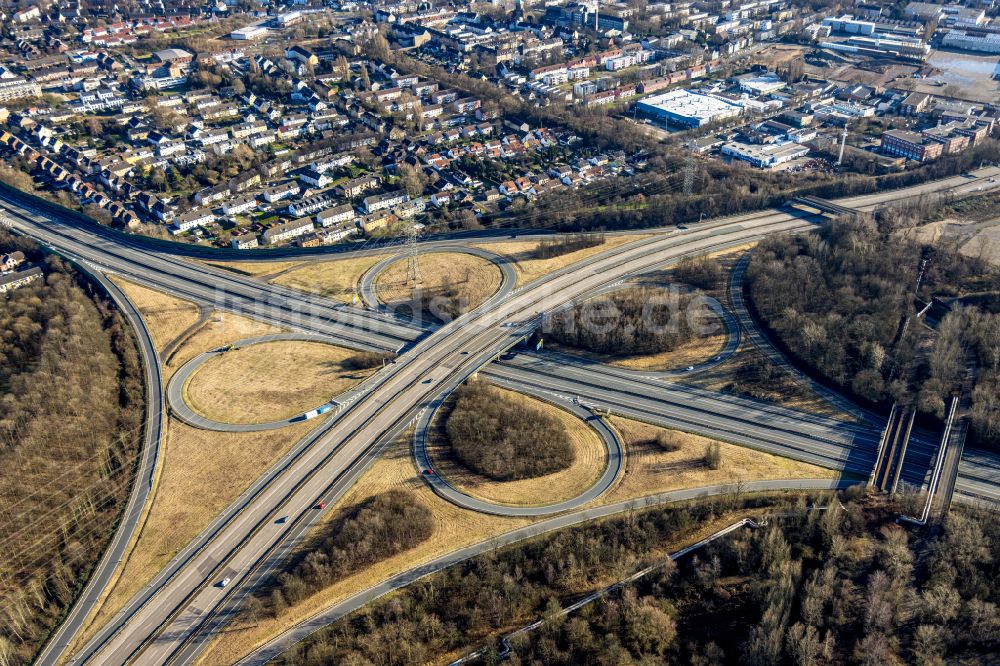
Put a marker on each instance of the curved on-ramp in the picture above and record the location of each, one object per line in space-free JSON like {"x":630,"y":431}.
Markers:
{"x":508,"y":276}
{"x":181,"y":409}
{"x":442,"y":487}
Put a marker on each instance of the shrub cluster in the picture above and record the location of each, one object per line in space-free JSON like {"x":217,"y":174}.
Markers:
{"x":381,"y":527}
{"x":644,"y":320}
{"x":557,"y":247}
{"x":503,"y":439}
{"x":366,"y":360}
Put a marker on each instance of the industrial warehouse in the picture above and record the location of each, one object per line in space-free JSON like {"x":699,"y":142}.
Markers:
{"x":687,"y":108}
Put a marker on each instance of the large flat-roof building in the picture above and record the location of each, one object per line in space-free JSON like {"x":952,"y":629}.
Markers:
{"x":249,"y":33}
{"x":881,"y":47}
{"x":973,"y":40}
{"x":687,"y":108}
{"x":764,"y":156}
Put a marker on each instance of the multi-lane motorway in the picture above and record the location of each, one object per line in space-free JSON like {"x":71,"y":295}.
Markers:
{"x":161,"y":622}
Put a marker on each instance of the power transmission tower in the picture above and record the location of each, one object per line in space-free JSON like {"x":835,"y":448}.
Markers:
{"x":688,"y":172}
{"x":412,"y":251}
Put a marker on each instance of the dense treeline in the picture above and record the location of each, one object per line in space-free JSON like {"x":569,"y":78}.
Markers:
{"x":461,"y":607}
{"x":375,"y":530}
{"x":700,"y":272}
{"x":560,"y":246}
{"x":837,"y":586}
{"x":841,"y":299}
{"x":503,"y":439}
{"x":71,"y":412}
{"x":968,"y":333}
{"x":641,"y":320}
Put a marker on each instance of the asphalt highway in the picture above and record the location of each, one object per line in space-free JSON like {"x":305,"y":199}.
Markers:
{"x":221,"y":289}
{"x":162,"y":618}
{"x":160,"y":628}
{"x":812,"y":438}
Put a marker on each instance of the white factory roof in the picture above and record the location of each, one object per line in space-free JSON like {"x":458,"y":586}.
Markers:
{"x":692,"y":105}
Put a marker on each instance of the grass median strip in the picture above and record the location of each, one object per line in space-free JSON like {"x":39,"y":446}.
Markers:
{"x":166,"y":316}
{"x":337,"y":279}
{"x":652,"y":467}
{"x":530,"y":268}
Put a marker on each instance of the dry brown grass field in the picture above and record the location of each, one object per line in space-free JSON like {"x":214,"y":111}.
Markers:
{"x":166,"y":316}
{"x":270,"y":381}
{"x":529,"y":269}
{"x":202,"y":472}
{"x":470,"y":278}
{"x":651,"y":469}
{"x":337,"y":279}
{"x":220,"y":329}
{"x":255,"y":268}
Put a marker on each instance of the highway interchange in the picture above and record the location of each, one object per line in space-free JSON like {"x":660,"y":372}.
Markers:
{"x":173,"y":618}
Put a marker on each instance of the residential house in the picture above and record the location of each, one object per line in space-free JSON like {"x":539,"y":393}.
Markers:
{"x":244,"y":242}
{"x":288,"y":230}
{"x":239,"y":205}
{"x":385,"y":201}
{"x":282,"y":191}
{"x":12,"y":260}
{"x":191,"y":219}
{"x":15,"y":279}
{"x":339,"y":231}
{"x":314,"y":178}
{"x":334,"y":216}
{"x":375,"y":221}
{"x":357,"y":186}
{"x":313,"y":204}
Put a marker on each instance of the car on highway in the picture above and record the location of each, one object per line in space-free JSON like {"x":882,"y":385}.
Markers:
{"x":224,"y":582}
{"x":321,"y":505}
{"x":428,"y":471}
{"x":689,"y":368}
{"x":682,"y":227}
